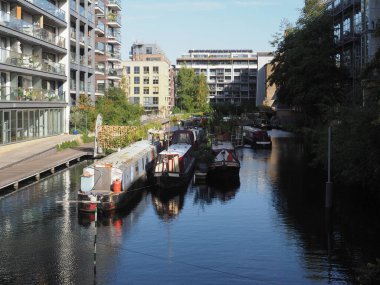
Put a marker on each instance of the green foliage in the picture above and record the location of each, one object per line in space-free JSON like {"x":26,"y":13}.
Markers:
{"x":192,"y":91}
{"x":304,"y":66}
{"x":66,"y":145}
{"x":116,"y":109}
{"x":87,"y":139}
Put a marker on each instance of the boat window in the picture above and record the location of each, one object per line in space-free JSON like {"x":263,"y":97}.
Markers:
{"x":143,"y":163}
{"x":137,"y":167}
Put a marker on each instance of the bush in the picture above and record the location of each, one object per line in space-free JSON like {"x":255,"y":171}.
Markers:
{"x":68,"y":144}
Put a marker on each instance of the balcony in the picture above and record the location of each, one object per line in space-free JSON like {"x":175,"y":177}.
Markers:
{"x":100,"y":27}
{"x":114,"y":36}
{"x":100,"y":7}
{"x":73,"y":5}
{"x":27,"y":28}
{"x":100,"y":68}
{"x":345,"y":4}
{"x":113,"y":56}
{"x":31,"y":62}
{"x":90,"y":16}
{"x":114,"y":4}
{"x":100,"y":48}
{"x":81,"y":37}
{"x":30,"y":94}
{"x":82,"y":10}
{"x":114,"y":20}
{"x":81,"y":86}
{"x":113,"y":72}
{"x":50,"y":8}
{"x":73,"y":34}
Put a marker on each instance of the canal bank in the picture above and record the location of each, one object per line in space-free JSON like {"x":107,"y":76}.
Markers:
{"x":22,"y":161}
{"x":270,"y":229}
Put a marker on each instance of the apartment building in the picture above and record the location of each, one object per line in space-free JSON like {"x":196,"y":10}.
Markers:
{"x":107,"y":45}
{"x":231,"y":74}
{"x":82,"y":50}
{"x":263,"y":63}
{"x":149,"y":79}
{"x":355,"y":22}
{"x":40,"y":64}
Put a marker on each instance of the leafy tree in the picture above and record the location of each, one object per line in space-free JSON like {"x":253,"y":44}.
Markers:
{"x":192,"y":91}
{"x":304,"y":65}
{"x":116,"y":109}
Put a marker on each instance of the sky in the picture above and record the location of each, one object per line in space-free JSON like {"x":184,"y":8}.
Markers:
{"x":179,"y":25}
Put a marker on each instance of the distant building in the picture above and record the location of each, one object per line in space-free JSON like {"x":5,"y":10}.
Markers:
{"x":231,"y":74}
{"x":149,"y":79}
{"x":263,"y":60}
{"x":108,"y":45}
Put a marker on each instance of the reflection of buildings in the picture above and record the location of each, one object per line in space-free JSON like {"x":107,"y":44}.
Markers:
{"x":168,"y":208}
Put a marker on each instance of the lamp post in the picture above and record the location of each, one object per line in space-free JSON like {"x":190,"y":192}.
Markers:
{"x":329,"y":184}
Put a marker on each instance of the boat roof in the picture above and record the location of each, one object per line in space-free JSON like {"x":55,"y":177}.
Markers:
{"x":251,"y":129}
{"x":127,"y":154}
{"x":220,"y":145}
{"x":180,"y":149}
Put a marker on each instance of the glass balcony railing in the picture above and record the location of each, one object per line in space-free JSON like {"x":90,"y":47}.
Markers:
{"x":50,"y":8}
{"x":73,"y":5}
{"x":114,"y":35}
{"x":81,"y":86}
{"x":100,"y":68}
{"x":100,"y":46}
{"x":81,"y":37}
{"x":30,"y":94}
{"x":73,"y":34}
{"x":113,"y":72}
{"x":30,"y":62}
{"x":90,"y":16}
{"x":81,"y":10}
{"x":112,"y":17}
{"x":114,"y":2}
{"x":114,"y":55}
{"x":27,"y":28}
{"x":101,"y":5}
{"x":100,"y":26}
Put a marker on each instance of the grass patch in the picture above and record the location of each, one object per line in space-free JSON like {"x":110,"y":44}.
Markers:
{"x":87,"y":139}
{"x":66,"y":145}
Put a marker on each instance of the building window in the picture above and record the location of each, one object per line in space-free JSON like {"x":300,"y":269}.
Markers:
{"x":155,"y":90}
{"x":134,"y":100}
{"x":155,"y":80}
{"x":146,"y":69}
{"x":136,"y":80}
{"x":128,"y":70}
{"x":146,"y":90}
{"x":155,"y":69}
{"x":149,"y":50}
{"x":146,"y":80}
{"x":346,"y":26}
{"x":146,"y":101}
{"x":136,"y":69}
{"x":155,"y":100}
{"x":137,"y":90}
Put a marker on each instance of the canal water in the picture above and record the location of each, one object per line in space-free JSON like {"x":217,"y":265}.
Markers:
{"x":270,"y":229}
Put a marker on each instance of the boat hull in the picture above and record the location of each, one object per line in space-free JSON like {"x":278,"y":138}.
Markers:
{"x":225,"y":172}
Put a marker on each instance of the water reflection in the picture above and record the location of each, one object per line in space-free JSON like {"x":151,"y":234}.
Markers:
{"x":168,"y":207}
{"x":207,"y":194}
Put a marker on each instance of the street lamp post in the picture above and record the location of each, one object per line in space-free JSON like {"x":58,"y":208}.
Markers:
{"x":329,"y":184}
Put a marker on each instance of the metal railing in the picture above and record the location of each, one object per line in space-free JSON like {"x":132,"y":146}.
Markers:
{"x":50,"y":8}
{"x":31,"y":30}
{"x":30,"y":94}
{"x":30,"y":62}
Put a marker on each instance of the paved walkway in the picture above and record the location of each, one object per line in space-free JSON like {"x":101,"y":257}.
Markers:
{"x":18,"y":152}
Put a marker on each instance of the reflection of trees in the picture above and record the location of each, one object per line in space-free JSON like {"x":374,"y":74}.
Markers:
{"x":334,"y":247}
{"x":168,"y":208}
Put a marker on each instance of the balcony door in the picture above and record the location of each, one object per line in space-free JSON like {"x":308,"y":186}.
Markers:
{"x":6,"y":127}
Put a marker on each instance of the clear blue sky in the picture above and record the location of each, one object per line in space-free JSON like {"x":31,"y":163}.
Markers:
{"x":179,"y":25}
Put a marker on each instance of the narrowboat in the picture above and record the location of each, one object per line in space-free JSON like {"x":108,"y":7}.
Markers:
{"x":175,"y":165}
{"x":112,"y":181}
{"x":256,"y":137}
{"x":226,"y":165}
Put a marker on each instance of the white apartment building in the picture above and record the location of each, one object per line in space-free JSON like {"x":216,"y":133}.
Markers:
{"x":231,"y":74}
{"x":44,"y":45}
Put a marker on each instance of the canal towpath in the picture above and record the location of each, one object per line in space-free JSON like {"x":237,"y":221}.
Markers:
{"x":28,"y":159}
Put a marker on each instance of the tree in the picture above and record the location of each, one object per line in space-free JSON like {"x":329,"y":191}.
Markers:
{"x":304,"y":66}
{"x":192,"y":91}
{"x":116,"y":110}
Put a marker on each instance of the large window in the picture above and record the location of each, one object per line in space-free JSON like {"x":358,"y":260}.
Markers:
{"x":136,"y":80}
{"x":155,"y":69}
{"x":21,"y":125}
{"x":136,"y":90}
{"x":155,"y":80}
{"x":136,"y":69}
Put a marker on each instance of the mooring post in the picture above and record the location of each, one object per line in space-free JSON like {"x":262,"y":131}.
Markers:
{"x":329,"y":184}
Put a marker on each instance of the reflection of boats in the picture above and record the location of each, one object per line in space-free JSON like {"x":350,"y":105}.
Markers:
{"x":256,"y":137}
{"x":207,"y":194}
{"x":226,"y":165}
{"x":168,"y":208}
{"x":113,"y":180}
{"x":174,"y":166}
